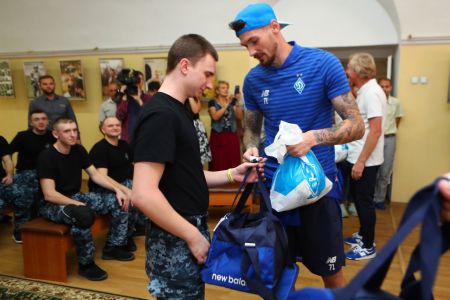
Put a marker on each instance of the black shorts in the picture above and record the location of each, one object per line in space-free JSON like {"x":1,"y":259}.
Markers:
{"x":318,"y":241}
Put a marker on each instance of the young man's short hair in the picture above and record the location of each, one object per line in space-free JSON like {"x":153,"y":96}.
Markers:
{"x":37,"y":111}
{"x":191,"y":46}
{"x":62,"y":120}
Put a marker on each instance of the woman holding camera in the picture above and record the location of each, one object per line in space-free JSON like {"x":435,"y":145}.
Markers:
{"x":226,"y":114}
{"x":131,"y":100}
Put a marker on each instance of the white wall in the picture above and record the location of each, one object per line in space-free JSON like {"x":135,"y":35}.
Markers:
{"x":337,"y":23}
{"x":424,"y":18}
{"x":57,"y":25}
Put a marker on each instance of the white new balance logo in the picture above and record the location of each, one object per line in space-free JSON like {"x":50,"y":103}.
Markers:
{"x":331,"y":260}
{"x":265,"y":96}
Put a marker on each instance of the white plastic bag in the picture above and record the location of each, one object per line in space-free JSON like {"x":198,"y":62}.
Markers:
{"x":298,"y":181}
{"x":340,"y":152}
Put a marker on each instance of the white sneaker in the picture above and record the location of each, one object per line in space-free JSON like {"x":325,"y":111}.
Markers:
{"x":359,"y":253}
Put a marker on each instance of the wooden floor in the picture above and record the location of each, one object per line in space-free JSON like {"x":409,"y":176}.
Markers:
{"x":129,"y":278}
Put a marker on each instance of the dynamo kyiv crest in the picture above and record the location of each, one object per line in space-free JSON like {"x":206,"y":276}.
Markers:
{"x":299,"y":85}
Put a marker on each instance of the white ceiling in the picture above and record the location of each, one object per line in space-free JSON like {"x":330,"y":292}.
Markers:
{"x":51,"y":25}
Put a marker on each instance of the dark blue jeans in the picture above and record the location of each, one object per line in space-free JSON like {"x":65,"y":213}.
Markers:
{"x":362,"y":191}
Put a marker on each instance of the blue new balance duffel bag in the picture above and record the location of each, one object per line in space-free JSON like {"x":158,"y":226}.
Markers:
{"x":249,"y":252}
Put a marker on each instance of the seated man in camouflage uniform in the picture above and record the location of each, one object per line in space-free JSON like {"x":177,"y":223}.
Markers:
{"x":29,"y":143}
{"x":59,"y":169}
{"x":113,"y":158}
{"x":10,"y":192}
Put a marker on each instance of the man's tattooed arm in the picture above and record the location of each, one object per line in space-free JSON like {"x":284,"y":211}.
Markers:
{"x":352,"y":127}
{"x":253,"y":123}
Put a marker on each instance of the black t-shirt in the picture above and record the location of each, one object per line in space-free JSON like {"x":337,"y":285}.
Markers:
{"x":64,"y":169}
{"x":29,"y":145}
{"x":4,"y":150}
{"x":165,"y":134}
{"x":117,"y":159}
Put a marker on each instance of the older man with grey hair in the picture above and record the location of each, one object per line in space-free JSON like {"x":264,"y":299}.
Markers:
{"x":365,"y":155}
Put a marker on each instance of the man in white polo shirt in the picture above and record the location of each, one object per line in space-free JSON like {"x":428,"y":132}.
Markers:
{"x":365,"y":155}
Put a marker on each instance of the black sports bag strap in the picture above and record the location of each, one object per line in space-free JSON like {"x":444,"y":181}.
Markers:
{"x":434,"y":241}
{"x":373,"y":274}
{"x":265,"y":205}
{"x":245,"y":194}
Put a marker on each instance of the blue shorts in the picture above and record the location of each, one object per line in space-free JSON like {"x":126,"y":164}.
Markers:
{"x":173,"y":271}
{"x":318,"y":242}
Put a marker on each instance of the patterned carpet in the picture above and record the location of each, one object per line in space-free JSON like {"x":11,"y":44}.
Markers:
{"x":24,"y":289}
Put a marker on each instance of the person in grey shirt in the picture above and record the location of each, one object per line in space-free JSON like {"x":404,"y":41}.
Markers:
{"x":109,"y":107}
{"x":55,"y":106}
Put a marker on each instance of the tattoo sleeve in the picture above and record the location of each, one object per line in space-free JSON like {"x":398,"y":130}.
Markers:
{"x":253,"y":124}
{"x":352,"y":127}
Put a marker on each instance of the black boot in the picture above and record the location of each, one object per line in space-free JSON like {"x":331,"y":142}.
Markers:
{"x":130,"y":245}
{"x":92,"y":272}
{"x":116,"y":252}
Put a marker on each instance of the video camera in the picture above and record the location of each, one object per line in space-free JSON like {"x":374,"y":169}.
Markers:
{"x":131,"y":79}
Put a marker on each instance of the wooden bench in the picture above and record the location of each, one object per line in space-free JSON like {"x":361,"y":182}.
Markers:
{"x":45,"y":245}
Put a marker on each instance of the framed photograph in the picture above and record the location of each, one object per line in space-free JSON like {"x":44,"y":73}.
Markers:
{"x":72,"y":79}
{"x":6,"y":82}
{"x":109,"y":68}
{"x":155,"y":70}
{"x":33,"y":70}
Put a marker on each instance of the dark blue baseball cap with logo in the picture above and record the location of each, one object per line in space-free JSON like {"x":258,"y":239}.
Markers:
{"x":254,"y":16}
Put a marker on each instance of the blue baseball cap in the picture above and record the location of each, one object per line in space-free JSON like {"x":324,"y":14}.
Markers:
{"x":254,"y":16}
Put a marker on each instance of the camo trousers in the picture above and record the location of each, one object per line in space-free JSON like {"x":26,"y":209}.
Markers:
{"x":15,"y":195}
{"x":102,"y":204}
{"x":133,"y":212}
{"x":28,"y":182}
{"x":173,"y":271}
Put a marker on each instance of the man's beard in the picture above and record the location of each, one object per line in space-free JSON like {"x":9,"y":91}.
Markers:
{"x":48,"y":93}
{"x":271,"y":58}
{"x":267,"y":63}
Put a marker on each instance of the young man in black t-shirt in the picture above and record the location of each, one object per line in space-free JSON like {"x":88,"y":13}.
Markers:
{"x":10,"y":192}
{"x":169,"y":184}
{"x":113,"y":158}
{"x":59,"y":169}
{"x":29,"y":144}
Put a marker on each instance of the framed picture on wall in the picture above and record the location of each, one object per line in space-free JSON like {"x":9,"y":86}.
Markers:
{"x":109,"y":68}
{"x":155,"y":70}
{"x":72,"y":79}
{"x":6,"y":82}
{"x":33,"y":70}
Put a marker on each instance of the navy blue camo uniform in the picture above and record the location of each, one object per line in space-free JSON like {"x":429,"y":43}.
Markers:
{"x":165,"y":134}
{"x":11,"y":194}
{"x":119,"y":162}
{"x":29,"y":145}
{"x":65,"y":170}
